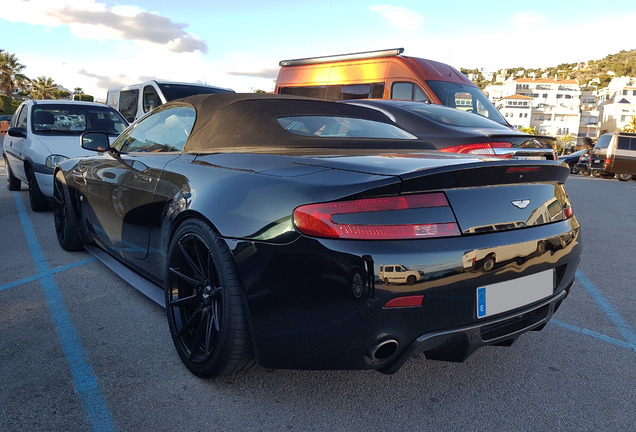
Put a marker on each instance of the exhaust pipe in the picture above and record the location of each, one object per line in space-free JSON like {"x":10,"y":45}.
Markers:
{"x":381,"y":352}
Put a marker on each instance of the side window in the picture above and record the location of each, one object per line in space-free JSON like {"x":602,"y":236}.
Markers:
{"x":408,"y":91}
{"x":317,"y":92}
{"x":163,"y":131}
{"x":21,"y":118}
{"x":151,"y":98}
{"x":623,"y":143}
{"x":128,"y":104}
{"x":355,"y":91}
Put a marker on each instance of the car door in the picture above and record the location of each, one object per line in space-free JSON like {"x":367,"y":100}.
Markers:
{"x":120,"y":185}
{"x":15,"y":146}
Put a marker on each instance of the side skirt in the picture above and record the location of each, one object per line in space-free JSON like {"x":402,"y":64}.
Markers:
{"x":151,"y":290}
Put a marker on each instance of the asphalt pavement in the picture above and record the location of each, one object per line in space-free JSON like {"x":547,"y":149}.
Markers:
{"x":82,"y":350}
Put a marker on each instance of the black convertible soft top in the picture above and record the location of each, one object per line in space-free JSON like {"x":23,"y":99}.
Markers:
{"x":234,"y":122}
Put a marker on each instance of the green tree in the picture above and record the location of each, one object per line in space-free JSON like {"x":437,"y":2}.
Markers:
{"x":563,"y":142}
{"x":78,"y":91}
{"x":11,"y":75}
{"x":44,"y":88}
{"x":529,"y":130}
{"x":631,"y":126}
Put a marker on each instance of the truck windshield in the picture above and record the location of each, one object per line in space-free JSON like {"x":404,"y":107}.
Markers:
{"x":466,"y":98}
{"x":178,"y":91}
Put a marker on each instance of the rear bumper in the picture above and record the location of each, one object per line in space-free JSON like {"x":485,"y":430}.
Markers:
{"x":305,"y":311}
{"x":458,"y":344}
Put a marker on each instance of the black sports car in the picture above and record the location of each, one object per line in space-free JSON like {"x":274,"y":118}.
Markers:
{"x":267,"y":220}
{"x":457,"y":131}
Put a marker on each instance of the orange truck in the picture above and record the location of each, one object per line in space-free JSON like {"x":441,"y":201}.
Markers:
{"x":384,"y":74}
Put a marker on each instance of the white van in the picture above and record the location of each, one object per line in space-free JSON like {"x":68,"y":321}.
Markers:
{"x":134,"y":101}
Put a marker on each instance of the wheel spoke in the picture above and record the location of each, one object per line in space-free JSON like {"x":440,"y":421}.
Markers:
{"x":193,"y":299}
{"x":201,"y":330}
{"x":193,"y":266}
{"x":190,"y":323}
{"x":187,"y":279}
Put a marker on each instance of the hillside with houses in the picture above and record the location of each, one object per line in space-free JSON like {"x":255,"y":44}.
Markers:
{"x":576,"y":102}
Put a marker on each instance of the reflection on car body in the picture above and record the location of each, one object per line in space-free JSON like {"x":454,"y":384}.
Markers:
{"x":400,"y":274}
{"x":267,"y":223}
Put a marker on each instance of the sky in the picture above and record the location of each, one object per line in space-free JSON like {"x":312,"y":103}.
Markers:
{"x":99,"y":44}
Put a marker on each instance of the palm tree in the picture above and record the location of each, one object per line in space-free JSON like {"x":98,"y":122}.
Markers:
{"x":43,"y":88}
{"x":78,"y":91}
{"x":631,"y":126}
{"x":11,"y":73}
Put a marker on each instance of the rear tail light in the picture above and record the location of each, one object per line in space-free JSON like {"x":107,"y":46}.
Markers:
{"x":317,"y":220}
{"x":487,"y":149}
{"x":607,"y":161}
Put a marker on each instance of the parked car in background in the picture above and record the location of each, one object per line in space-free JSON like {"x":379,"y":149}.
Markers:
{"x":45,"y":132}
{"x":399,"y":274}
{"x":573,"y":159}
{"x":615,"y":154}
{"x":457,"y":131}
{"x":383,"y":74}
{"x":4,"y":126}
{"x":265,"y":220}
{"x":135,"y":100}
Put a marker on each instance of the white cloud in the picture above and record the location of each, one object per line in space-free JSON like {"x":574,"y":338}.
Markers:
{"x":399,"y":16}
{"x":90,"y":19}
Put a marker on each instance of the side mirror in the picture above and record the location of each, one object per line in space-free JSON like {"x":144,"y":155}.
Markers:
{"x":17,"y":132}
{"x":95,"y":141}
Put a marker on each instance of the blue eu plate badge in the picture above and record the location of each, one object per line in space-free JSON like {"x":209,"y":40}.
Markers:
{"x":481,"y":302}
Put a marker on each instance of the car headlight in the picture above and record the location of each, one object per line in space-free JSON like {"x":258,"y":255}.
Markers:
{"x":53,"y":160}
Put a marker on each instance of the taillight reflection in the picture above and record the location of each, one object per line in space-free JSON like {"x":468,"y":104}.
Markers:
{"x":317,"y":219}
{"x":487,"y":149}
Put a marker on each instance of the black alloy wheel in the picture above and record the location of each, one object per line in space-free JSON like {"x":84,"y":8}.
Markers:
{"x":13,"y":183}
{"x":36,"y":197}
{"x":204,"y":304}
{"x":66,"y":226}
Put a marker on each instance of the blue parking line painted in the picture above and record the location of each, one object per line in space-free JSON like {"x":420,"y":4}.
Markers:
{"x":46,"y":273}
{"x":601,"y":336}
{"x":84,"y":380}
{"x":621,"y":325}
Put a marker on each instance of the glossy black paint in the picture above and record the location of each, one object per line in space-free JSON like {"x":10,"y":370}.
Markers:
{"x":300,"y":292}
{"x":428,"y":122}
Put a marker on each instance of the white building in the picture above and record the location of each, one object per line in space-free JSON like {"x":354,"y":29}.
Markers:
{"x":617,"y":104}
{"x":516,"y":109}
{"x":554,"y":103}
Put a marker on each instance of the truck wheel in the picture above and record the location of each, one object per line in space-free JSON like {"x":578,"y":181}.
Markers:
{"x":623,"y":177}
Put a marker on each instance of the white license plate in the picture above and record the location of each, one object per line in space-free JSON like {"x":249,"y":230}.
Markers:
{"x":528,"y":157}
{"x":515,"y":293}
{"x":597,"y":161}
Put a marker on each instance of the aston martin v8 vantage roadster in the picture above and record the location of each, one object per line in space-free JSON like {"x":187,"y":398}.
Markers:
{"x":266,"y":220}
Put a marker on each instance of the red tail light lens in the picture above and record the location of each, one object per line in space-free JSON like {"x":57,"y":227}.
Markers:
{"x":487,"y":149}
{"x":317,"y":219}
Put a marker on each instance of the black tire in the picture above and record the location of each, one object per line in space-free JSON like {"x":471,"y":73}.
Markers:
{"x":623,"y":177}
{"x":607,"y":176}
{"x":410,"y":280}
{"x":386,"y":281}
{"x":13,"y":183}
{"x":573,"y":169}
{"x":66,"y":226}
{"x":36,"y":197}
{"x":204,"y":304}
